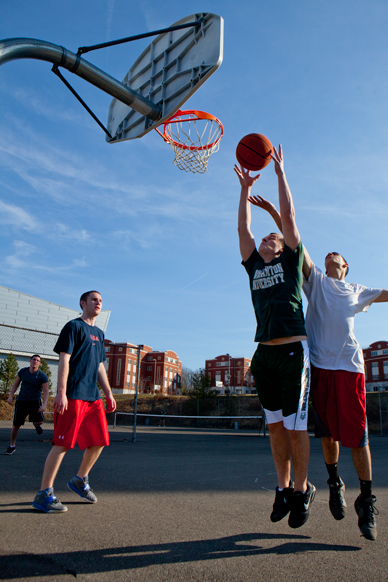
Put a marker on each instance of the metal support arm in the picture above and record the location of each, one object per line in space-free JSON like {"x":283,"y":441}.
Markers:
{"x":30,"y":48}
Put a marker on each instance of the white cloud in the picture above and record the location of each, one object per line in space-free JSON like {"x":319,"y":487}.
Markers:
{"x":35,"y":102}
{"x":18,"y":259}
{"x":16,"y":216}
{"x":19,"y":219}
{"x":64,"y":232}
{"x":111,"y":6}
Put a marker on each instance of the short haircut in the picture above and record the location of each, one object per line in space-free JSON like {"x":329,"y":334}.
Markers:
{"x":36,"y":356}
{"x":84,"y":296}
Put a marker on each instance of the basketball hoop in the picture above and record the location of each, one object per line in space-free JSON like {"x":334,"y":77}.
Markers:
{"x":194,"y":136}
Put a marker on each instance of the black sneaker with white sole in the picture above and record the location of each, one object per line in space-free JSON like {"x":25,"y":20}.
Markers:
{"x":282,"y":503}
{"x":366,"y":511}
{"x":10,"y":450}
{"x":337,"y":503}
{"x":300,"y":506}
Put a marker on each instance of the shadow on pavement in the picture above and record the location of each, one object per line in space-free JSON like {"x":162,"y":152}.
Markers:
{"x":126,"y":558}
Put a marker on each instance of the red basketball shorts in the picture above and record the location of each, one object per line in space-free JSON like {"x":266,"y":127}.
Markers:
{"x":83,"y":423}
{"x":339,"y":406}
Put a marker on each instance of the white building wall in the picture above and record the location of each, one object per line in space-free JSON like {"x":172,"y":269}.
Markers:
{"x":29,"y":325}
{"x":22,"y":310}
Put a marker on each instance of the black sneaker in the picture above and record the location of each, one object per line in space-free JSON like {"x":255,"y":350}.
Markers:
{"x":282,"y":503}
{"x":366,"y":511}
{"x":38,"y":428}
{"x":337,"y":503}
{"x":300,"y":506}
{"x":10,"y":450}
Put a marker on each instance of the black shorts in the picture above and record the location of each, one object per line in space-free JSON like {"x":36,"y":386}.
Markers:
{"x":24,"y":408}
{"x":282,"y":377}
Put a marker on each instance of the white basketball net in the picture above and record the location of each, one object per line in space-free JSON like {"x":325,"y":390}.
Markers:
{"x":193,"y":140}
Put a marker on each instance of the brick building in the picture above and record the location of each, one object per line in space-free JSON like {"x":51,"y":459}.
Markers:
{"x":231,"y":375}
{"x":160,"y":372}
{"x":376,"y":366}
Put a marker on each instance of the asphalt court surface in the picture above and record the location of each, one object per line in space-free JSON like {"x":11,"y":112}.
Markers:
{"x":182,"y":505}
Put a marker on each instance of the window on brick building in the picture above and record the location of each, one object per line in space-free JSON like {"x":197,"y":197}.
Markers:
{"x":118,"y":374}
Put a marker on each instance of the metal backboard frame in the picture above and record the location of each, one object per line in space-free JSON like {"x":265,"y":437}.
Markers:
{"x":168,"y":72}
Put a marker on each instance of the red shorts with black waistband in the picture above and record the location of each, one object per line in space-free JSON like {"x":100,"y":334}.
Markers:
{"x":340,"y":406}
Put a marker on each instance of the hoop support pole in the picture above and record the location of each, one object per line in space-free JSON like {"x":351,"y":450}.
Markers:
{"x":30,"y":48}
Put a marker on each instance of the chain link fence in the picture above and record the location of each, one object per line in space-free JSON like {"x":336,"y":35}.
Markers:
{"x":185,"y":412}
{"x":23,"y":343}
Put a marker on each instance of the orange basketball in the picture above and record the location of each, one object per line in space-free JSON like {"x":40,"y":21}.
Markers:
{"x":254,"y":151}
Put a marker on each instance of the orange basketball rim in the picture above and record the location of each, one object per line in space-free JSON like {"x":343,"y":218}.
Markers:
{"x":194,"y":136}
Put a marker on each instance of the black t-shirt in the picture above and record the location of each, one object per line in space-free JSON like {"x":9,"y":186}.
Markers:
{"x":85,"y":343}
{"x":276,"y":294}
{"x":31,"y":384}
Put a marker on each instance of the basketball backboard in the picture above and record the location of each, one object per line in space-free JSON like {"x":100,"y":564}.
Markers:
{"x":168,"y":72}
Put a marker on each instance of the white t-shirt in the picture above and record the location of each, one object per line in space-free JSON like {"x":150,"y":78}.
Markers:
{"x":332,"y":305}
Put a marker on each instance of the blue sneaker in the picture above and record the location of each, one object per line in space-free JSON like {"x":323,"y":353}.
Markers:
{"x":81,"y":486}
{"x":47,"y":502}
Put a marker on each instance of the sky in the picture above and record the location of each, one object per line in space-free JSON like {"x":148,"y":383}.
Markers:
{"x":161,"y":244}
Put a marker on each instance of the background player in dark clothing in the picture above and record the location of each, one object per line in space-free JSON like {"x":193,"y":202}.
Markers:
{"x":29,"y":401}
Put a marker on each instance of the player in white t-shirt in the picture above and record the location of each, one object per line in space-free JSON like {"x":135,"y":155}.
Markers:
{"x":337,"y":374}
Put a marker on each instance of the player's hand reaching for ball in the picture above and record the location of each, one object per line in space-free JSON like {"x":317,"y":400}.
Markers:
{"x":277,"y":157}
{"x":246,"y":180}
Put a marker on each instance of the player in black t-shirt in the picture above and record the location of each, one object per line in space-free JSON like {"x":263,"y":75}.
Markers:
{"x":280,"y":364}
{"x":29,"y":401}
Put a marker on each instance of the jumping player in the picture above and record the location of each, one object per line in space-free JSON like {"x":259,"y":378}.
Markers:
{"x":337,"y":375}
{"x":280,"y":364}
{"x":29,"y":401}
{"x":79,"y":413}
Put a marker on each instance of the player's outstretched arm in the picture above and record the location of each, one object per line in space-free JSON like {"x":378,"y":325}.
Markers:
{"x":269,"y":207}
{"x":13,"y":390}
{"x":246,"y":238}
{"x":104,"y":383}
{"x":272,"y":210}
{"x":382,"y":298}
{"x":286,"y":204}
